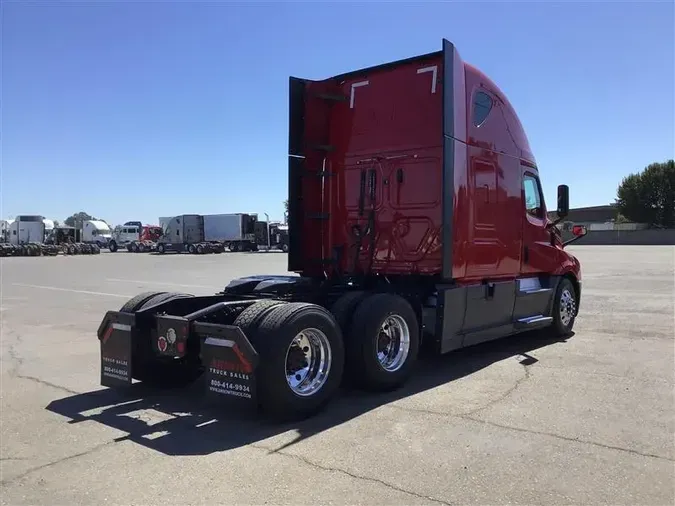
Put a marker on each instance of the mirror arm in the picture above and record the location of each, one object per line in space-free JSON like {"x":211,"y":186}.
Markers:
{"x":573,"y":239}
{"x":560,"y":218}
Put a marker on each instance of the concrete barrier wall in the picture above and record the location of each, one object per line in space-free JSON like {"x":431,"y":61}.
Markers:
{"x":627,"y":237}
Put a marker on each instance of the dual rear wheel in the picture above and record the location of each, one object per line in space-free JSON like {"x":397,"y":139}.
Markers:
{"x":306,"y":351}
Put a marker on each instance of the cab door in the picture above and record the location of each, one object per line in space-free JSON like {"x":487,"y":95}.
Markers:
{"x":536,"y":238}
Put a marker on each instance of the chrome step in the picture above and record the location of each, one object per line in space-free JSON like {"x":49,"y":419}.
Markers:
{"x":534,"y":321}
{"x":535,"y":290}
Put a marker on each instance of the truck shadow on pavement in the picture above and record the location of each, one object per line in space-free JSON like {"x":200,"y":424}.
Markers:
{"x":183,"y":422}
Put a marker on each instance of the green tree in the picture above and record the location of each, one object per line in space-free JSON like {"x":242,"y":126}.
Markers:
{"x":649,"y":196}
{"x":77,"y":219}
{"x":286,"y":211}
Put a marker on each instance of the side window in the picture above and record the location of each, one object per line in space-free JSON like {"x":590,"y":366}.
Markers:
{"x":482,"y":105}
{"x":533,"y":205}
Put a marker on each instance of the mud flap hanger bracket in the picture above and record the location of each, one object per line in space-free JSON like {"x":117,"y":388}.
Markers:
{"x":115,"y":320}
{"x":234,"y":337}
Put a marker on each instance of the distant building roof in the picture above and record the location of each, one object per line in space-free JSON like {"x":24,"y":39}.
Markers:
{"x":592,"y":214}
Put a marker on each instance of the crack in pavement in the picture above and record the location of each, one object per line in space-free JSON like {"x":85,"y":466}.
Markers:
{"x":350,"y":474}
{"x":502,"y":397}
{"x":570,"y":439}
{"x":16,"y":362}
{"x":55,"y":462}
{"x":47,"y":383}
{"x":490,"y":404}
{"x":465,"y":416}
{"x":606,"y":374}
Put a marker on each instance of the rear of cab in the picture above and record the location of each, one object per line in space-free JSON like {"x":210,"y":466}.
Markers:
{"x":412,"y":167}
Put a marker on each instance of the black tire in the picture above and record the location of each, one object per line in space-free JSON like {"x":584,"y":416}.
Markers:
{"x":343,"y":311}
{"x":284,"y":248}
{"x":163,"y":297}
{"x":200,"y":249}
{"x":192,"y":249}
{"x":162,"y":372}
{"x":249,"y":319}
{"x":112,"y":246}
{"x":141,"y":248}
{"x":234,"y":247}
{"x":362,"y":342}
{"x":562,"y":326}
{"x":343,"y":308}
{"x":136,"y":302}
{"x":272,"y":340}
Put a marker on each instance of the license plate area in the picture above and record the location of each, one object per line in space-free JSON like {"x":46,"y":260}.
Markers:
{"x":115,"y":335}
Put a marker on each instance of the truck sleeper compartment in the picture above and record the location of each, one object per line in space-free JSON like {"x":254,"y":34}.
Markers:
{"x":371,"y":176}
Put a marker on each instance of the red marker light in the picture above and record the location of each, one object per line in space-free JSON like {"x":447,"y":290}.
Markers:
{"x":180,"y":346}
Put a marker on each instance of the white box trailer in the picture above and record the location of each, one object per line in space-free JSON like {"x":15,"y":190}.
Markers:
{"x":235,"y":230}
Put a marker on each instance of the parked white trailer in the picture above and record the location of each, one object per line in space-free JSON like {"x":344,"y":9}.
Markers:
{"x":26,"y":229}
{"x":96,"y":232}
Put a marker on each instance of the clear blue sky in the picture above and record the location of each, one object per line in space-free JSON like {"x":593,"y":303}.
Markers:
{"x":134,"y":110}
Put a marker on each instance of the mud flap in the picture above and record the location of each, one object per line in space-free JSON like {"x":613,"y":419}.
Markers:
{"x":114,"y":335}
{"x":230,"y":362}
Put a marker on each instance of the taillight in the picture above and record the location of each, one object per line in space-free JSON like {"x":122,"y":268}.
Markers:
{"x":172,"y":335}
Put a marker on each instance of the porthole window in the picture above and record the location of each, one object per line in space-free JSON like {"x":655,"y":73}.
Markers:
{"x":482,"y":105}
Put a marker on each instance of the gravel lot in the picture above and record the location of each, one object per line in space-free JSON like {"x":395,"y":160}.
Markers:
{"x":525,"y":420}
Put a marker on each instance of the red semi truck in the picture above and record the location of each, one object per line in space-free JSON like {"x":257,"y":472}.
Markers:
{"x":416,"y":217}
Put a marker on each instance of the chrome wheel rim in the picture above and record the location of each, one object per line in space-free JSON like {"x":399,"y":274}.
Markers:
{"x":308,"y":362}
{"x":567,"y":307}
{"x":393,"y":343}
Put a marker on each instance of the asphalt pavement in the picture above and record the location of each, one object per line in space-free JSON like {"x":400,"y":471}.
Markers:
{"x":523,"y":420}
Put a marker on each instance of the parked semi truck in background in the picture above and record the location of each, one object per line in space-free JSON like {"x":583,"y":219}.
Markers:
{"x":187,"y":234}
{"x":235,"y":231}
{"x":27,"y":229}
{"x":135,"y":237}
{"x":423,"y":228}
{"x":96,"y":232}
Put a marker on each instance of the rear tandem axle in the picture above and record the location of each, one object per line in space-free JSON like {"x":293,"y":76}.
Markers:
{"x":243,"y":343}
